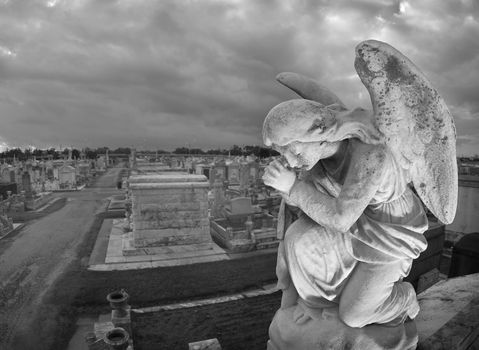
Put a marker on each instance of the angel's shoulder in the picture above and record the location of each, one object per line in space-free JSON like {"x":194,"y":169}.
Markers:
{"x":370,"y":154}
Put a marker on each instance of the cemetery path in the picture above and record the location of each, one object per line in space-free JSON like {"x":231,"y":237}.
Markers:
{"x":39,"y":253}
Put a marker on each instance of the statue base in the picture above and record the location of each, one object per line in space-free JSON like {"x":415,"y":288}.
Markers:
{"x":293,"y":329}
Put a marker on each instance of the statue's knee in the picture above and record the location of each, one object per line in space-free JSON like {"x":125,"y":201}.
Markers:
{"x":300,"y":244}
{"x":292,"y":240}
{"x":351,"y":317}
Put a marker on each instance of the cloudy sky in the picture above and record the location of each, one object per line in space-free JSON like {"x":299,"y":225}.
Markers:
{"x":200,"y":73}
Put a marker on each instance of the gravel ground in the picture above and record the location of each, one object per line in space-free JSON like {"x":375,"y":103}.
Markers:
{"x":32,"y":259}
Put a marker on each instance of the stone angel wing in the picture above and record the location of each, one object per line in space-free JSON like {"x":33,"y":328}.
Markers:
{"x":309,"y":89}
{"x":415,"y":123}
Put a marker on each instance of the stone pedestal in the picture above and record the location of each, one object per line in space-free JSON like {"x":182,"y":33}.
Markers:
{"x":449,"y":316}
{"x":293,"y":329}
{"x":169,"y":209}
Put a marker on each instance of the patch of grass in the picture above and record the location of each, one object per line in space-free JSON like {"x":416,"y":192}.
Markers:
{"x":52,"y":327}
{"x":80,"y":291}
{"x":239,"y":324}
{"x":168,"y":284}
{"x":54,"y":323}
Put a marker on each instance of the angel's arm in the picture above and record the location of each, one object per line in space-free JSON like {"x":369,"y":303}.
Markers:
{"x":362,"y":181}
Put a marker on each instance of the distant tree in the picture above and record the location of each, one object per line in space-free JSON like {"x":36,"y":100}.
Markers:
{"x":217,"y":151}
{"x":266,"y":152}
{"x":53,"y":152}
{"x":102,"y":150}
{"x":28,"y":153}
{"x":181,"y":150}
{"x":236,"y":150}
{"x":14,"y":152}
{"x":75,"y":154}
{"x":196,"y":151}
{"x":121,"y":150}
{"x":90,"y":154}
{"x":38,"y":152}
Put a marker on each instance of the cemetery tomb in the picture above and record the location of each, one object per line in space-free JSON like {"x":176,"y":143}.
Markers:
{"x":169,"y":209}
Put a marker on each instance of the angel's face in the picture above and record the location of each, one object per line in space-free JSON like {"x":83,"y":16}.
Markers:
{"x":305,"y":155}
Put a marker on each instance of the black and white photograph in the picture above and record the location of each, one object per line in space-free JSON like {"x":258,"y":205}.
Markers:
{"x":239,"y":174}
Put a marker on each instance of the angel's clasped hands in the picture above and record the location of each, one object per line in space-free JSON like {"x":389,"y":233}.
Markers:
{"x":279,"y":176}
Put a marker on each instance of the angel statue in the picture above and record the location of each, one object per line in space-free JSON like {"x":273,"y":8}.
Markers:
{"x":352,"y":217}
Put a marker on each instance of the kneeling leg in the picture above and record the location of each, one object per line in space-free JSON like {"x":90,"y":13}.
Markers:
{"x":375,"y":294}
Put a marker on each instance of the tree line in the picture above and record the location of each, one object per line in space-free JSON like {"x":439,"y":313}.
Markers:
{"x":234,"y":150}
{"x":93,"y":153}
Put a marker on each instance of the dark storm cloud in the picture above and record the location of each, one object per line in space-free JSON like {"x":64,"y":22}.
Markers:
{"x":170,"y":73}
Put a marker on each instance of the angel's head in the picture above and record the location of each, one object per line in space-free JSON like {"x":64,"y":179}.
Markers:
{"x":301,"y":131}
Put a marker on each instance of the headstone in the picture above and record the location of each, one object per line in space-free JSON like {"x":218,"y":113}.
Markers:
{"x":27,"y":185}
{"x":233,"y":173}
{"x":241,"y":206}
{"x":254,"y":171}
{"x":218,"y":199}
{"x":244,"y":176}
{"x":67,"y":177}
{"x":133,"y":158}
{"x":5,"y":174}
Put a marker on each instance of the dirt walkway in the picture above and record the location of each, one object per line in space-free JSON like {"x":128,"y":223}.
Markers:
{"x":32,"y":259}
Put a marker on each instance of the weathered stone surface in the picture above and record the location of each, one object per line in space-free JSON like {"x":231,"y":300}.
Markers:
{"x":172,"y":206}
{"x":175,"y":223}
{"x":415,"y":121}
{"x":166,"y":178}
{"x":180,"y":197}
{"x":154,"y":215}
{"x":293,"y":330}
{"x":6,"y":225}
{"x":169,"y":209}
{"x":345,"y":175}
{"x":449,"y":317}
{"x":168,"y":240}
{"x":156,"y":185}
{"x":168,"y":190}
{"x":209,"y":344}
{"x":161,"y":233}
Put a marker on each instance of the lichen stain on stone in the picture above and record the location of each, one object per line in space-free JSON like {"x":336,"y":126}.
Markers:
{"x":395,"y":71}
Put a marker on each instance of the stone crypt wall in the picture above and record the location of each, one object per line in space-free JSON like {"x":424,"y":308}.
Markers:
{"x":169,"y":209}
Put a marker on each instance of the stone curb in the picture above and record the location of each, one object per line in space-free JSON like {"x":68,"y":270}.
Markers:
{"x":15,"y":229}
{"x":266,"y":290}
{"x":46,"y":205}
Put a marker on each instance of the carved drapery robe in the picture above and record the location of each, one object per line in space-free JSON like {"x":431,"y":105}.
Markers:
{"x":319,"y":260}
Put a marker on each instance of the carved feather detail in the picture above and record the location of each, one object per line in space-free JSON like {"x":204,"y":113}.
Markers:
{"x":415,"y":122}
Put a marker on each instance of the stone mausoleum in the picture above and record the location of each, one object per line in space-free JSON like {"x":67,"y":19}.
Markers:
{"x":169,"y":209}
{"x":167,"y":223}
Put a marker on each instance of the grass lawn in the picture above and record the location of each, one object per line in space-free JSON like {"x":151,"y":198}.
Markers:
{"x":79,"y":291}
{"x":241,"y":324}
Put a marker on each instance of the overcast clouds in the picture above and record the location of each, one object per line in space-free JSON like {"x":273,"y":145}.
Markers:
{"x":165,"y":74}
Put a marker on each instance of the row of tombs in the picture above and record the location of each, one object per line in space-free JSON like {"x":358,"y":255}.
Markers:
{"x":174,"y":208}
{"x":170,"y":210}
